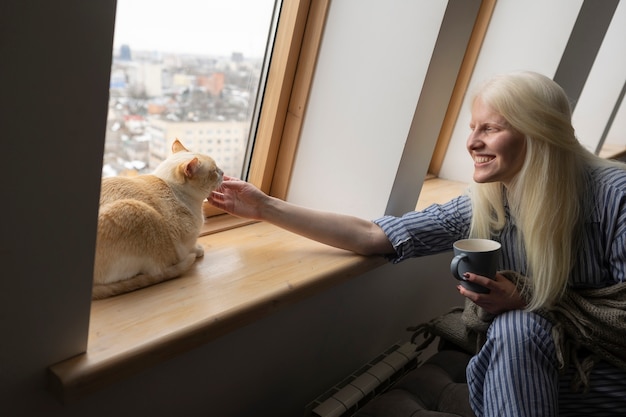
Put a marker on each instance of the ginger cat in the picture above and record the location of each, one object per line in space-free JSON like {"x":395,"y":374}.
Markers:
{"x":148,"y":225}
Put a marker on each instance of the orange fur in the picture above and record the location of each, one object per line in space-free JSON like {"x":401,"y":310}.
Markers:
{"x":148,"y":225}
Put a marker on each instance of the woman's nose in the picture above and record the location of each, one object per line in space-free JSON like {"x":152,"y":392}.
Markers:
{"x":473,"y":141}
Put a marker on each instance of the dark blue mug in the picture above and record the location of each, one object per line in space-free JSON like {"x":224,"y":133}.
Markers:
{"x":478,"y":256}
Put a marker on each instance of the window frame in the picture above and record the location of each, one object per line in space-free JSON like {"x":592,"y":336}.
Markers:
{"x":290,"y":75}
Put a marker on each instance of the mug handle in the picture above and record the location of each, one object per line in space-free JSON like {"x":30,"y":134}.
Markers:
{"x":454,"y":265}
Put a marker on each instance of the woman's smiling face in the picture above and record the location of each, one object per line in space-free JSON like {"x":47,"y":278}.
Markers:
{"x":497,"y":149}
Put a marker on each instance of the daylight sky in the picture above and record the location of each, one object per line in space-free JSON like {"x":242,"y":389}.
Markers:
{"x":212,"y":27}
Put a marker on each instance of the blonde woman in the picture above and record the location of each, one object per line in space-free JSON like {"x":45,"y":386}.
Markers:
{"x":559,"y":212}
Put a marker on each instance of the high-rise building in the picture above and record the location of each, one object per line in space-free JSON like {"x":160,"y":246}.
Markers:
{"x":224,"y":141}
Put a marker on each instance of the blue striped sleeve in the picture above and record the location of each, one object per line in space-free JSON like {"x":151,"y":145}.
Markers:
{"x":427,"y":232}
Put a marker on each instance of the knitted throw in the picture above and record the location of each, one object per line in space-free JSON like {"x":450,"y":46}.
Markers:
{"x":589,"y":325}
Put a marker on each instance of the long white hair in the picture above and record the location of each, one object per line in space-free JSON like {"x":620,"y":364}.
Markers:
{"x":547,"y":197}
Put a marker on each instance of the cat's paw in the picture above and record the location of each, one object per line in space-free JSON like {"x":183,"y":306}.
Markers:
{"x":199,"y":251}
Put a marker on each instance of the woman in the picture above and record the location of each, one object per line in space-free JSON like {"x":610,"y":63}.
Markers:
{"x":559,"y":212}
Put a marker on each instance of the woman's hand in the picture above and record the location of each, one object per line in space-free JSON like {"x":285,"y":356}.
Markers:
{"x":503,"y":295}
{"x":239,"y":198}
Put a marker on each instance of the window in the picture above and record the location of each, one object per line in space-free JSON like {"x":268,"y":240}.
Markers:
{"x":284,"y":96}
{"x":182,"y":68}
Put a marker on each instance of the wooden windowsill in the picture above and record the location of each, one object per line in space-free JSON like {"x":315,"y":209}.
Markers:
{"x":437,"y":190}
{"x":613,"y":151}
{"x":248,"y":271}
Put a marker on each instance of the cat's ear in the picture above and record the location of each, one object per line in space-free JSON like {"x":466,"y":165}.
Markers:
{"x":177,"y":146}
{"x":191,"y":167}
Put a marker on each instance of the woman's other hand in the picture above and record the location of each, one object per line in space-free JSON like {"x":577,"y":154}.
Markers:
{"x":503,"y":294}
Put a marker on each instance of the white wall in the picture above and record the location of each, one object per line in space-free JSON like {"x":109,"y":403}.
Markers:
{"x":596,"y":101}
{"x":370,"y":71}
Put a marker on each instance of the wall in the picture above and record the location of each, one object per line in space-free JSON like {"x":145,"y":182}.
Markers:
{"x":363,"y":98}
{"x":276,"y":366}
{"x":54,"y":75}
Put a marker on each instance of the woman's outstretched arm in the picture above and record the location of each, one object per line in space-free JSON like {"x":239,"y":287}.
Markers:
{"x":243,"y":199}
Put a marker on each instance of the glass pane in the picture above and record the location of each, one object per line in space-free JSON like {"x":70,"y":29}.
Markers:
{"x":186,"y":69}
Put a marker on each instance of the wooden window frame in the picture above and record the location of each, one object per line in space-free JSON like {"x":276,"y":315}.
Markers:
{"x":297,"y":42}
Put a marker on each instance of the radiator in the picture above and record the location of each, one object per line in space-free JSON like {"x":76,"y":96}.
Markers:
{"x":370,"y":380}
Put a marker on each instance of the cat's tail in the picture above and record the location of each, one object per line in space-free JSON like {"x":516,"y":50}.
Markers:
{"x":100,"y":291}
